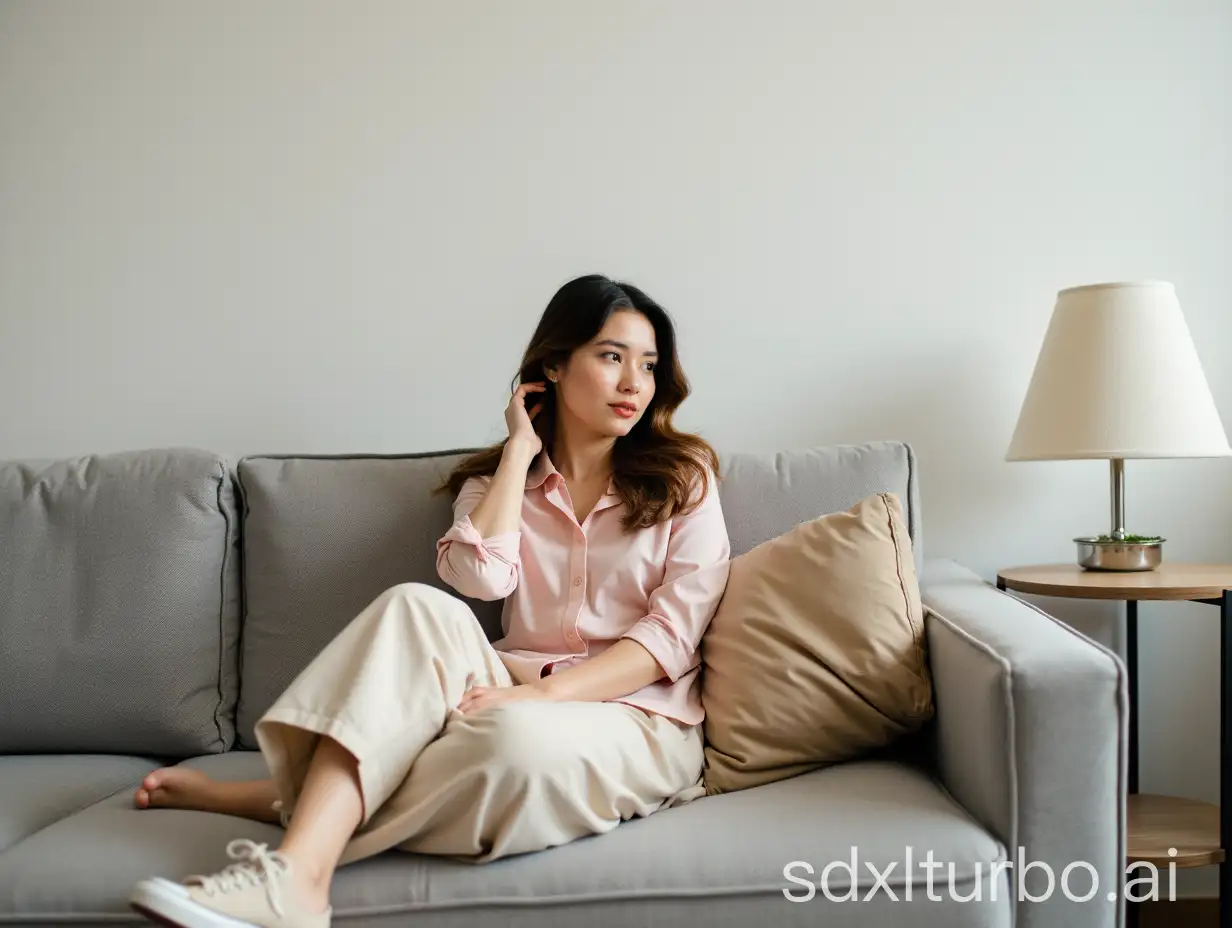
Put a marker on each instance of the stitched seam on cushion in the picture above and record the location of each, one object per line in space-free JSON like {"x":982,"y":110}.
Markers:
{"x":1010,"y":720}
{"x":917,"y":633}
{"x":243,"y":510}
{"x":912,"y":527}
{"x":222,"y":605}
{"x":412,"y":456}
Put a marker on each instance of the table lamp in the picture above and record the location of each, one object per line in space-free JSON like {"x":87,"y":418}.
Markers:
{"x":1118,"y":377}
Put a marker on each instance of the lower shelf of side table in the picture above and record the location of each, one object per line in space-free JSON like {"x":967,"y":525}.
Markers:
{"x":1157,"y":823}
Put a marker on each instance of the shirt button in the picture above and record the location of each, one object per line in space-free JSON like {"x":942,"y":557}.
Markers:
{"x":577,"y":581}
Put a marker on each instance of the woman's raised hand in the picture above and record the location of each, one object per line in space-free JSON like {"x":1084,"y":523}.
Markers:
{"x":519,"y":421}
{"x":500,"y":509}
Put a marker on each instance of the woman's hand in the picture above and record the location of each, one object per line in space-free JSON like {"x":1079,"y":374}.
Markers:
{"x":520,"y":422}
{"x":479,"y":698}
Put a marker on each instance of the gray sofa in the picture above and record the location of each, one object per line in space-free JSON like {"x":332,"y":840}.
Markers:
{"x":153,"y":603}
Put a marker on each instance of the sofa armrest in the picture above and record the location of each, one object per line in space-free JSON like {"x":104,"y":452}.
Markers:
{"x":1031,"y":729}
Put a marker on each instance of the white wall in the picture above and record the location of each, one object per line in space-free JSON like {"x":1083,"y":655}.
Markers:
{"x":331,"y":227}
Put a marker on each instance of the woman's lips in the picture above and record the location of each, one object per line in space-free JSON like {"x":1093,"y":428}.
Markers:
{"x":626,"y":412}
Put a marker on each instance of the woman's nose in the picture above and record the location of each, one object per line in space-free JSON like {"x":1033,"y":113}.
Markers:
{"x":631,"y":382}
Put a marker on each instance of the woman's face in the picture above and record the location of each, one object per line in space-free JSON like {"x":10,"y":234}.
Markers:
{"x":607,"y":383}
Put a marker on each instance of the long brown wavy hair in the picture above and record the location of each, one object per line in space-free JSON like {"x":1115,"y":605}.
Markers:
{"x":658,"y":472}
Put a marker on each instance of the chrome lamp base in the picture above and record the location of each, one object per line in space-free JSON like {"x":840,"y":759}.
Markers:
{"x":1118,"y":550}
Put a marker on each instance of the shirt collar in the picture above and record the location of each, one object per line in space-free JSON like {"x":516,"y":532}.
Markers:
{"x":540,"y":470}
{"x":544,"y":471}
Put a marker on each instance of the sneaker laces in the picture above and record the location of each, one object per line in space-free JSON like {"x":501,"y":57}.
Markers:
{"x":256,"y":865}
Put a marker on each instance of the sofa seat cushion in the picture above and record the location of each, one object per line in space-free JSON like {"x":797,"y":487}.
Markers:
{"x":716,"y":861}
{"x":37,"y":790}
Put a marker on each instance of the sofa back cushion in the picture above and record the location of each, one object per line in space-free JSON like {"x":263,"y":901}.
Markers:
{"x":119,"y":604}
{"x":765,"y":495}
{"x":323,"y":537}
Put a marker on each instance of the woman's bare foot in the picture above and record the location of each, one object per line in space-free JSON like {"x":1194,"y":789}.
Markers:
{"x":177,"y":788}
{"x":186,"y":788}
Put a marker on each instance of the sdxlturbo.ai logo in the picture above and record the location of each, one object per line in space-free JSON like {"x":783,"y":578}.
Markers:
{"x":1078,"y":881}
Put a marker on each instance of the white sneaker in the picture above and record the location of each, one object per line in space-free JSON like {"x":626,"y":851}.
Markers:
{"x":254,"y":892}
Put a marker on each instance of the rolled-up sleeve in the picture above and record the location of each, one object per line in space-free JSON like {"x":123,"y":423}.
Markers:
{"x":680,"y":609}
{"x":478,"y":567}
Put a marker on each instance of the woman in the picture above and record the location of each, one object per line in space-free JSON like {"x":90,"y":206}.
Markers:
{"x":600,"y":526}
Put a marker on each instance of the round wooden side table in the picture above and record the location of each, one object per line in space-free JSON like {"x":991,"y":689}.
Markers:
{"x":1198,"y":831}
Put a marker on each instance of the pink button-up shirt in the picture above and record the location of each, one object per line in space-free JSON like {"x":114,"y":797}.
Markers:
{"x":571,"y":591}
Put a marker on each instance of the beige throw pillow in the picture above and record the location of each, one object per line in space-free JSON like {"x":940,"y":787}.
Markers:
{"x":816,"y":652}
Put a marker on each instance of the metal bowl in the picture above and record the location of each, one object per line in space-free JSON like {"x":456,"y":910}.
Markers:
{"x":1095,"y":553}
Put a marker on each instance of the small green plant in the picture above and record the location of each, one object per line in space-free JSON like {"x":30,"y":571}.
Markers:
{"x":1129,"y":539}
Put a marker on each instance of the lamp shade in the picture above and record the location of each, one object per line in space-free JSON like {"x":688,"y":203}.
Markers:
{"x":1118,"y":377}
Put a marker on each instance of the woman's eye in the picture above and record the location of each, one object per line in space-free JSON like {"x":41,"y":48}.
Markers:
{"x":611,"y":354}
{"x":650,"y":365}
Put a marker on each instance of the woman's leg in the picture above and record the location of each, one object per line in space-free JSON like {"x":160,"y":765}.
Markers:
{"x":382,"y":689}
{"x":526,"y":776}
{"x":338,"y":743}
{"x":329,"y":810}
{"x":185,"y":788}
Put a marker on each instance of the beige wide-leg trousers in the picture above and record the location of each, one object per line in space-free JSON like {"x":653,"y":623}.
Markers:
{"x":519,"y":777}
